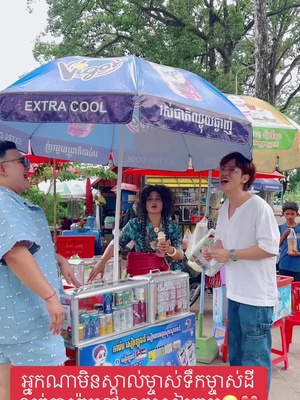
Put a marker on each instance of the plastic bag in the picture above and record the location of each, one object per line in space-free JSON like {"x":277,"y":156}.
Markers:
{"x":198,"y":233}
{"x":187,"y":237}
{"x":212,"y":267}
{"x":99,"y":199}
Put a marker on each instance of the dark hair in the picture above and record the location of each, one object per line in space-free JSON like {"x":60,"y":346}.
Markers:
{"x":6,"y":145}
{"x":247,"y":166}
{"x":290,"y":205}
{"x":167,"y":197}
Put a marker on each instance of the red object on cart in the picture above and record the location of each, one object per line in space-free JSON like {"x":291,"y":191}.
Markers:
{"x":83,"y":246}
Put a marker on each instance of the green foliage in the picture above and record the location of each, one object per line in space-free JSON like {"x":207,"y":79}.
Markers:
{"x":213,"y":39}
{"x":69,"y":171}
{"x":46,"y":202}
{"x":294,"y":182}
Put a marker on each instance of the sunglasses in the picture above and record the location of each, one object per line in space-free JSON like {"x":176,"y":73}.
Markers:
{"x":230,"y":170}
{"x":22,"y":160}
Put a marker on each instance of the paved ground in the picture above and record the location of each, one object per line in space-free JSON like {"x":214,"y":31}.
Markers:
{"x":285,"y":383}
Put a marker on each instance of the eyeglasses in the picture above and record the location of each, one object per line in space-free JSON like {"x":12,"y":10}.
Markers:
{"x":22,"y":160}
{"x":230,"y":170}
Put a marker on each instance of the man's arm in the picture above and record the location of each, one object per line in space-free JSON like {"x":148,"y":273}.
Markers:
{"x":23,"y":265}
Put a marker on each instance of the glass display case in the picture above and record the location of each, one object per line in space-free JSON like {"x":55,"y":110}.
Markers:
{"x":168,"y":294}
{"x":98,"y":311}
{"x":102,"y":310}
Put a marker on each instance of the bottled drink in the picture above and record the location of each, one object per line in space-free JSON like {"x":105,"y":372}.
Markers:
{"x":292,"y":241}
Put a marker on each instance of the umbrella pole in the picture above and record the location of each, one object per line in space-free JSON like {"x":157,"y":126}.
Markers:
{"x":54,"y":202}
{"x":199,"y":197}
{"x":116,"y":231}
{"x":206,"y":346}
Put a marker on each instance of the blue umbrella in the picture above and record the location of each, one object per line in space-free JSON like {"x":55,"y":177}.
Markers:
{"x":267,"y":185}
{"x":148,"y":115}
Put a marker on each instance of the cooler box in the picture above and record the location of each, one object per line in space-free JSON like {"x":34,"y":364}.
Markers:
{"x":283,"y":307}
{"x":87,"y":232}
{"x":83,"y":246}
{"x":109,"y":222}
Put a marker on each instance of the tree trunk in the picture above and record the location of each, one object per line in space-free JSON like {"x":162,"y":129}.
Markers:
{"x":261,"y":50}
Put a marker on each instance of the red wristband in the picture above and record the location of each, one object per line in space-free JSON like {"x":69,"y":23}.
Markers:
{"x":48,"y":298}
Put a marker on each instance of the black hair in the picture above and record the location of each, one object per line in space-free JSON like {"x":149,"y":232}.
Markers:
{"x":6,"y":145}
{"x":290,"y":205}
{"x":246,"y":165}
{"x":167,"y":197}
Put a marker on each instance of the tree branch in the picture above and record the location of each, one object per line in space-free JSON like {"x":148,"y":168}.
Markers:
{"x":289,"y":99}
{"x":272,"y":13}
{"x":295,"y":62}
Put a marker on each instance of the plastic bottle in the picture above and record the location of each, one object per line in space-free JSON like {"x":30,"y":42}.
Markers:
{"x":292,"y":241}
{"x":90,"y":222}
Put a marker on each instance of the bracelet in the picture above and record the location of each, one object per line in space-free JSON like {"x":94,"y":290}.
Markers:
{"x":48,"y":298}
{"x":172,"y":254}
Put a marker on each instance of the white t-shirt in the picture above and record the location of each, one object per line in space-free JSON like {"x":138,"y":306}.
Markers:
{"x":250,"y":282}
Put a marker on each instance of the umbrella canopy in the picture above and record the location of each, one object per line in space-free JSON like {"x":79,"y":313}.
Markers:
{"x":68,"y":190}
{"x":276,"y":137}
{"x":190,"y":173}
{"x":146,"y":114}
{"x":166,"y":111}
{"x":126,"y":186}
{"x":267,"y":185}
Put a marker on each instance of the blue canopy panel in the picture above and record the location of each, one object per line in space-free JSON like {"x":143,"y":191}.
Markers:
{"x":267,"y":185}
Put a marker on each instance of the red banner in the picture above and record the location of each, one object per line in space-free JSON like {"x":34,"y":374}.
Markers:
{"x":136,"y":383}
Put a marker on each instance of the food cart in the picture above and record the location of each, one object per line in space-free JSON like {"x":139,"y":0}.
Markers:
{"x":143,"y":320}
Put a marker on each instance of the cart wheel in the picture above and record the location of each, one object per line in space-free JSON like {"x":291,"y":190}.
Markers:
{"x":194,"y":292}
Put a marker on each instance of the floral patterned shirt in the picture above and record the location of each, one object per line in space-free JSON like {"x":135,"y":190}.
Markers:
{"x":132,"y":231}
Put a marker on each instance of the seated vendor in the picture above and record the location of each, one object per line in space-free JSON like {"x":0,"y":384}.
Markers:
{"x":155,"y":208}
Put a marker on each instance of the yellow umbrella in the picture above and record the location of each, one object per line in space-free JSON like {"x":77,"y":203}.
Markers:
{"x":276,"y":138}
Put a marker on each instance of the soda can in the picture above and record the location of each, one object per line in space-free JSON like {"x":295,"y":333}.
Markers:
{"x":86,"y":322}
{"x":122,"y":319}
{"x":142,"y":311}
{"x":107,"y":303}
{"x":129,"y":316}
{"x":118,"y":299}
{"x":109,"y":323}
{"x":102,"y":324}
{"x":139,"y":293}
{"x":94,"y":325}
{"x":81,"y":329}
{"x":116,"y":319}
{"x":135,"y":313}
{"x":127,"y":297}
{"x":81,"y":314}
